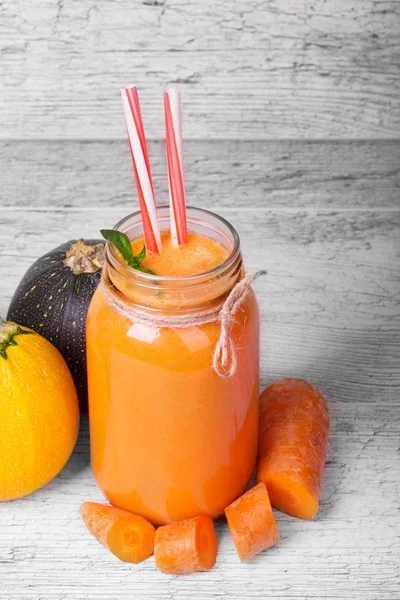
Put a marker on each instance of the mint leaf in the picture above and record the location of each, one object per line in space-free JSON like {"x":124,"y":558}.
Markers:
{"x":132,"y":262}
{"x":142,"y":254}
{"x":135,"y":264}
{"x":145,"y":270}
{"x":119,"y":240}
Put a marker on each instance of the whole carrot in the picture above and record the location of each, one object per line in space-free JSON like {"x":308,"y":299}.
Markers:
{"x":252,"y":523}
{"x":294,"y":426}
{"x":129,"y":537}
{"x":186,"y":546}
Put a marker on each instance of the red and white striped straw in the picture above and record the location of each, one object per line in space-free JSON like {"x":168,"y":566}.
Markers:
{"x":173,"y":124}
{"x":141,"y":166}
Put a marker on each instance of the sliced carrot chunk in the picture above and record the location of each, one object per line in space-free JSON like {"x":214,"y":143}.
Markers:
{"x":294,"y":427}
{"x":252,"y":523}
{"x":186,"y":546}
{"x":129,"y":537}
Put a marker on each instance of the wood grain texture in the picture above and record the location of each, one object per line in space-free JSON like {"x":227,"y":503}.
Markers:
{"x":351,"y":550}
{"x":330,"y":302}
{"x":254,"y":175}
{"x":263,"y":70}
{"x":324,"y":219}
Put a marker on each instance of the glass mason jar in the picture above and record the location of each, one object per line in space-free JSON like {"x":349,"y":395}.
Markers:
{"x":170,"y":438}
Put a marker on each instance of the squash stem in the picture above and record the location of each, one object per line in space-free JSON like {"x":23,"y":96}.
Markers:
{"x":82,"y":258}
{"x":8,"y":332}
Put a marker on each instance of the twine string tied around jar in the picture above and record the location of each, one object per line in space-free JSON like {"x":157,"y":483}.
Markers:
{"x":225,"y":357}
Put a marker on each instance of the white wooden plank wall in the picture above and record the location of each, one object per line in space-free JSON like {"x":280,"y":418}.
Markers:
{"x":248,"y":68}
{"x":292,"y":127}
{"x":252,"y":175}
{"x":329,"y":300}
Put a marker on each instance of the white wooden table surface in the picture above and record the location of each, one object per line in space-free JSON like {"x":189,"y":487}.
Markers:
{"x":323,"y":216}
{"x":330,"y":314}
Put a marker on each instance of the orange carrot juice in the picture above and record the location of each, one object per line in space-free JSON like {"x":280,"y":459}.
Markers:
{"x":170,"y":437}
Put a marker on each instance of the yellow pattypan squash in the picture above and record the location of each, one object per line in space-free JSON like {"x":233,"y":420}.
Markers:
{"x":39,"y":414}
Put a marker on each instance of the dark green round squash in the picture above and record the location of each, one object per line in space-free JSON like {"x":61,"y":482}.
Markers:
{"x":53,"y":299}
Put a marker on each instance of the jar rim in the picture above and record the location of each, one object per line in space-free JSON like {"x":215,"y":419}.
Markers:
{"x":148,"y":278}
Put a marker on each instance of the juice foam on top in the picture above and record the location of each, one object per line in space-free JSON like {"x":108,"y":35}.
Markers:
{"x":198,"y":255}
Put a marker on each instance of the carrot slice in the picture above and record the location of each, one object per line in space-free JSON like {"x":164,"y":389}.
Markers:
{"x":294,"y":427}
{"x":252,"y":523}
{"x":129,"y":537}
{"x":186,"y":546}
